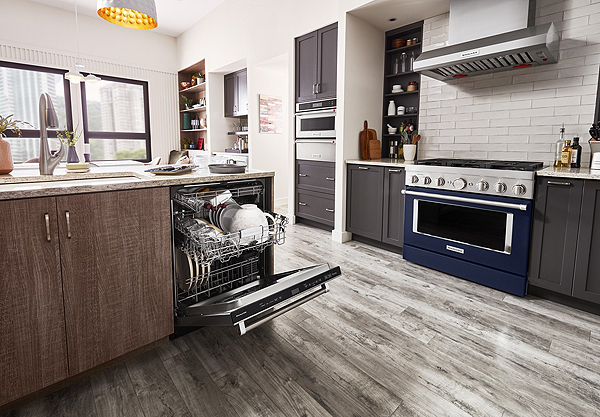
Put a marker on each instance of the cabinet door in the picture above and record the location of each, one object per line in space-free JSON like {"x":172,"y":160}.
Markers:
{"x":230,"y":95}
{"x":393,"y":206}
{"x":554,"y":235}
{"x":315,"y":176}
{"x":116,"y":260}
{"x":586,"y":284}
{"x":32,"y":326}
{"x":306,"y":67}
{"x":241,"y":83}
{"x":327,"y":62}
{"x":365,"y":201}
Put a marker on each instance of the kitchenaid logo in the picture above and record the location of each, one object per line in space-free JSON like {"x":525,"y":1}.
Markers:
{"x":468,"y":54}
{"x":455,"y":249}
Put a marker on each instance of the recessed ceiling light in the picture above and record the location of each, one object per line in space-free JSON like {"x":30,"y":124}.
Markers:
{"x":393,"y":19}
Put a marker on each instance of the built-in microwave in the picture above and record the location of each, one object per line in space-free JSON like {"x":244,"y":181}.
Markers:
{"x":316,"y":124}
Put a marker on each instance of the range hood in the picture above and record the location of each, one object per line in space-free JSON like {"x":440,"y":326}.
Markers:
{"x":477,"y":47}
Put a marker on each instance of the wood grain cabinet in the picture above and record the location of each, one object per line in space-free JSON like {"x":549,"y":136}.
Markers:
{"x":566,"y":238}
{"x":33,"y":345}
{"x":116,"y":257}
{"x":316,"y":64}
{"x":86,"y":278}
{"x":375,"y":203}
{"x":236,"y":93}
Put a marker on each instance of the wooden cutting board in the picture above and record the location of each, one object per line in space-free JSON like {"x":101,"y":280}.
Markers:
{"x":368,"y":138}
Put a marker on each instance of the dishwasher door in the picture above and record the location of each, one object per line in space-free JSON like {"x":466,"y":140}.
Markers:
{"x":255,"y":303}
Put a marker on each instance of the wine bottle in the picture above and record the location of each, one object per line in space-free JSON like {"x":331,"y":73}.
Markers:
{"x":575,"y":153}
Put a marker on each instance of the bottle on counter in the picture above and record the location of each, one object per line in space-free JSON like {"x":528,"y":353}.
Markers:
{"x":566,"y":154}
{"x":393,"y":150}
{"x":575,"y":153}
{"x":560,"y":143}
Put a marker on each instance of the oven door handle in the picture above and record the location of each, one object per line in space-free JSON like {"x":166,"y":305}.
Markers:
{"x":522,"y":207}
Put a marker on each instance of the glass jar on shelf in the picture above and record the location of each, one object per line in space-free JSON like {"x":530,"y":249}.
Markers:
{"x":403,"y":62}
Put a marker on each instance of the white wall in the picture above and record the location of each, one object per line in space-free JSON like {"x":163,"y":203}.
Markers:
{"x":43,"y":35}
{"x":516,"y":114}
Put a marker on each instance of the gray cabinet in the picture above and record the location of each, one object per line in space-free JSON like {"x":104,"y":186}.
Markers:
{"x":554,"y":233}
{"x":316,"y":64}
{"x":393,"y":206}
{"x":315,"y":188}
{"x":566,"y":237}
{"x":364,"y":215}
{"x":586,"y":283}
{"x":236,"y":93}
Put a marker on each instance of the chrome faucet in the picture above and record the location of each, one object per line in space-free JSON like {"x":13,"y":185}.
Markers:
{"x":48,"y":119}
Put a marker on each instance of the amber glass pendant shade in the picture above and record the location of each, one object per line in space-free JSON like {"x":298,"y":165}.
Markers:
{"x":135,"y":14}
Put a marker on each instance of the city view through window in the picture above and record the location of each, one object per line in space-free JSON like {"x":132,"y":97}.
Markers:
{"x":112,"y":108}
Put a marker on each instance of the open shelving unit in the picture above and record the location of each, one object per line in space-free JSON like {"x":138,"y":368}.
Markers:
{"x":196,"y":92}
{"x":405,"y":98}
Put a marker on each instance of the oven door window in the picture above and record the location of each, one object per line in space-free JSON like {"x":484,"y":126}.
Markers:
{"x":317,"y":124}
{"x":488,"y":229}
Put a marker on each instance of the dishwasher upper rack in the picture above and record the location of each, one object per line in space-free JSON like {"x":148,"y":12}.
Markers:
{"x":222,"y":247}
{"x":196,"y":199}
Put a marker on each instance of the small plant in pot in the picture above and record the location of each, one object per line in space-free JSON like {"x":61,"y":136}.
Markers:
{"x":185,"y":143}
{"x":8,"y":123}
{"x":187,"y":102}
{"x":70,"y":138}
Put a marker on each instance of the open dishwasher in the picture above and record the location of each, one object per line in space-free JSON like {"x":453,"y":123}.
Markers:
{"x":224,"y":278}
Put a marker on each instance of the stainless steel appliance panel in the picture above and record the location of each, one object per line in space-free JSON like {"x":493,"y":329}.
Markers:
{"x":315,"y":149}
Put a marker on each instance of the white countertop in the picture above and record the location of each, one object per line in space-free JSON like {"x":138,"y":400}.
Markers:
{"x":578,"y":173}
{"x":386,"y":162}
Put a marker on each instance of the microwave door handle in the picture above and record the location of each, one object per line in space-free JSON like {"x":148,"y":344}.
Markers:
{"x":522,"y":207}
{"x":315,"y":140}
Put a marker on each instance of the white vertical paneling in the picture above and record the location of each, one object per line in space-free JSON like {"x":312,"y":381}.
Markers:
{"x":162,"y":90}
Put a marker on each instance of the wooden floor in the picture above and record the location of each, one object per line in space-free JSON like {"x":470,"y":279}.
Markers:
{"x":390,"y":339}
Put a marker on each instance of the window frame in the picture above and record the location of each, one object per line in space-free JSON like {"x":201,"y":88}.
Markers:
{"x":119,"y":135}
{"x":35,"y":133}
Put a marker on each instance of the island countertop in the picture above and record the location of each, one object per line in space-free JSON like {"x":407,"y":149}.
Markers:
{"x":23,"y":183}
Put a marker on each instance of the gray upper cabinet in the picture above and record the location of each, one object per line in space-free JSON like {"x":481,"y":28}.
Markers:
{"x":236,"y":93}
{"x":554,"y":235}
{"x":365,"y":201}
{"x":316,"y":64}
{"x":586,"y":284}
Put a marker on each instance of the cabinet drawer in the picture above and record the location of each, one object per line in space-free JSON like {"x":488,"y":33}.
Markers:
{"x":316,"y":176}
{"x":316,"y":207}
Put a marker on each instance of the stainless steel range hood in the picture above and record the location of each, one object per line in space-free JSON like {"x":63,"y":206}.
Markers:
{"x":523,"y":47}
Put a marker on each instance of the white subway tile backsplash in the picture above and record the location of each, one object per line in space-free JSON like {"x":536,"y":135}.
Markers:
{"x":517,"y":114}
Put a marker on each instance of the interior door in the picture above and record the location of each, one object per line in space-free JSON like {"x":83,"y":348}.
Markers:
{"x":116,"y":263}
{"x":32,"y":327}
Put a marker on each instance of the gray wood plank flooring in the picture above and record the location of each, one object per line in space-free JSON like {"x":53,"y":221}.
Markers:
{"x":390,"y":339}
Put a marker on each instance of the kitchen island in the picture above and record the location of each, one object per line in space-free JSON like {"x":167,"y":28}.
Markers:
{"x":87,"y":272}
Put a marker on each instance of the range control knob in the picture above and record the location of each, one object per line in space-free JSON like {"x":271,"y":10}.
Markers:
{"x":440,"y":181}
{"x":414,"y":179}
{"x":427,"y":180}
{"x":459,"y":183}
{"x":482,"y":186}
{"x":500,"y":187}
{"x":519,"y":189}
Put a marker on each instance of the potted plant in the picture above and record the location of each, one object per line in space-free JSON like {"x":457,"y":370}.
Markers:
{"x":200,"y":77}
{"x":70,"y":138}
{"x":187,"y":102}
{"x":8,"y":123}
{"x":185,"y":143}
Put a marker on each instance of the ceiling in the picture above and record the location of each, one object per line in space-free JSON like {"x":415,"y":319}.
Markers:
{"x":174,"y":16}
{"x":378,"y":12}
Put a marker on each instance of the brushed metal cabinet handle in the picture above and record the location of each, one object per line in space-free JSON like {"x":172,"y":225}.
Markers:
{"x":47,"y":218}
{"x":302,"y":204}
{"x":314,"y":86}
{"x":318,"y":86}
{"x":329,"y":210}
{"x":302,"y":175}
{"x":395,"y":170}
{"x":68,"y":217}
{"x":363,"y":168}
{"x":566,"y":184}
{"x":330,"y":179}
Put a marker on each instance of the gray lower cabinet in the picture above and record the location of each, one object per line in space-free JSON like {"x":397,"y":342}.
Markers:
{"x":393,"y":206}
{"x":565,"y":238}
{"x":315,"y":188}
{"x":586,"y":284}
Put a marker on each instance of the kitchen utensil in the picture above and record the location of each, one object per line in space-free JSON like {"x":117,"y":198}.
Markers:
{"x":252,"y":223}
{"x":392,"y":130}
{"x":227,"y":168}
{"x":172,"y":169}
{"x":410,"y":151}
{"x":366,"y":137}
{"x":391,"y":108}
{"x":595,"y":157}
{"x":227,"y":216}
{"x":415,"y":139}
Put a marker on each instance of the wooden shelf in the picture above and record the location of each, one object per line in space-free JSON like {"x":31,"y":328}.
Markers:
{"x":194,"y":130}
{"x":400,"y":74}
{"x":193,"y":110}
{"x":402,"y":93}
{"x":403,"y":48}
{"x":195,"y":89}
{"x":401,"y":115}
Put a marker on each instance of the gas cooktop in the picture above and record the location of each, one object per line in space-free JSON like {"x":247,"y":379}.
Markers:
{"x":483,"y":163}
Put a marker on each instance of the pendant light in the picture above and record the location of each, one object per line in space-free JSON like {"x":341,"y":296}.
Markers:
{"x":135,"y":14}
{"x":75,"y":76}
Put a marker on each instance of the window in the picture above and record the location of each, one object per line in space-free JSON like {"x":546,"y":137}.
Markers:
{"x":116,"y":120}
{"x":20,"y":89}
